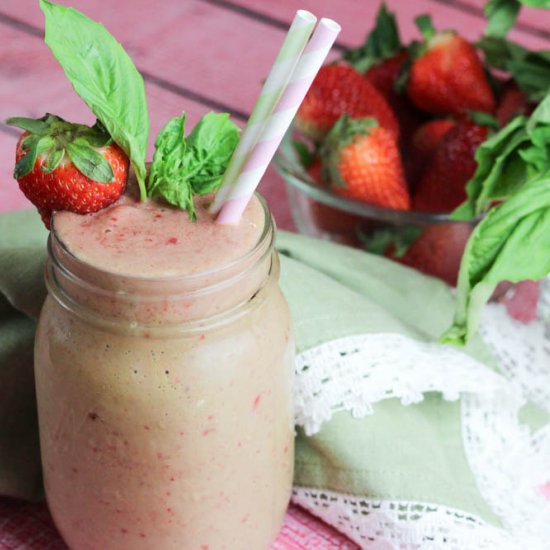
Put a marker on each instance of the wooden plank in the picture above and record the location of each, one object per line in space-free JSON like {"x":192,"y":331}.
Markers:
{"x":357,"y":17}
{"x":204,"y":48}
{"x":531,"y":20}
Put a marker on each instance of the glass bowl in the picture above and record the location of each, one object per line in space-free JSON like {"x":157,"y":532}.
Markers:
{"x":429,"y":242}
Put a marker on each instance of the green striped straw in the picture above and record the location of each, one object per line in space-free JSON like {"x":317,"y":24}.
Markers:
{"x":275,"y":84}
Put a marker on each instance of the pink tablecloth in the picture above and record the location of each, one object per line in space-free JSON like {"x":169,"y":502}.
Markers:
{"x":26,"y":526}
{"x":195,"y":56}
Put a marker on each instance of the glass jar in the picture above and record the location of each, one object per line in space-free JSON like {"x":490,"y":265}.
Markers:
{"x":165,"y":405}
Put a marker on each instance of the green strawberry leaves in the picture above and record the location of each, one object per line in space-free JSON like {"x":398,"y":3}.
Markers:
{"x":395,"y":239}
{"x":53,"y":137}
{"x":425,"y":26}
{"x":484,"y":119}
{"x":305,"y":155}
{"x":104,"y":76}
{"x":501,"y":16}
{"x":183,"y":167}
{"x":381,"y":43}
{"x":36,"y":145}
{"x":91,"y":163}
{"x":53,"y":161}
{"x":34,"y":126}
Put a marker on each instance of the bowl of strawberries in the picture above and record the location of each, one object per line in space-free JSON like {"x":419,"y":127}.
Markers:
{"x":385,"y":142}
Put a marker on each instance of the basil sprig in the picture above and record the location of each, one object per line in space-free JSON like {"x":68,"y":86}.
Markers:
{"x":104,"y":76}
{"x":510,"y":191}
{"x":193,"y":165}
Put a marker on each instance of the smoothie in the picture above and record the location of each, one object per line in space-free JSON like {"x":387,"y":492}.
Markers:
{"x":164,"y":366}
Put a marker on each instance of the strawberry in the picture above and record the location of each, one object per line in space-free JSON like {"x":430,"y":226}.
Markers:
{"x":339,"y":90}
{"x":443,"y":184}
{"x":381,"y":60}
{"x":361,"y":160}
{"x":447,"y":76}
{"x":512,"y":102}
{"x":315,"y":171}
{"x":329,"y":221}
{"x":424,"y":143}
{"x":384,"y":74}
{"x":384,"y":77}
{"x":65,"y":166}
{"x":438,"y":250}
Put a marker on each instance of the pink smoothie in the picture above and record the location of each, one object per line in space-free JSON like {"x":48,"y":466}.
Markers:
{"x":148,"y":239}
{"x":164,"y":363}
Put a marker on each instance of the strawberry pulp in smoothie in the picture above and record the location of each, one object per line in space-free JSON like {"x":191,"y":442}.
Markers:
{"x":164,"y":371}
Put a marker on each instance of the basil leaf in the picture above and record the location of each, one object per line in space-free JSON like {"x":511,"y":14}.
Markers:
{"x":540,"y":115}
{"x":495,"y":157}
{"x":167,"y":175}
{"x":210,"y":146}
{"x":510,"y":244}
{"x":31,"y":125}
{"x":91,"y":163}
{"x":537,"y":3}
{"x":180,"y":196}
{"x":184,"y":167}
{"x":104,"y":76}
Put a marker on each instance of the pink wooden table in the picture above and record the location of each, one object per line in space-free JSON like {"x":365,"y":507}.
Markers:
{"x":195,"y":56}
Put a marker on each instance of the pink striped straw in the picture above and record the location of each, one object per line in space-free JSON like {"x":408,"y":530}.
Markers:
{"x":241,"y":189}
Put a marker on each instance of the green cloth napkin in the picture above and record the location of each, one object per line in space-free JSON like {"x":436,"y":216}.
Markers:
{"x":409,"y":453}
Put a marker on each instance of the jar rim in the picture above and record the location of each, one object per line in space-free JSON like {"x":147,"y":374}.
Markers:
{"x":266,"y":238}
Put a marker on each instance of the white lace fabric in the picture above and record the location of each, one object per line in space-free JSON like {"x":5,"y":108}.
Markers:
{"x":509,"y":463}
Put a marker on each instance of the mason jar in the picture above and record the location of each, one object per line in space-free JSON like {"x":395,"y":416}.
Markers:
{"x":165,"y":404}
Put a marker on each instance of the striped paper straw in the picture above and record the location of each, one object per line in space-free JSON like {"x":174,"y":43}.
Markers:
{"x":241,"y":190}
{"x":276,"y":82}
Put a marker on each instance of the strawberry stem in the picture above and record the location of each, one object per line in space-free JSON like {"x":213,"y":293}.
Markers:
{"x":425,"y":26}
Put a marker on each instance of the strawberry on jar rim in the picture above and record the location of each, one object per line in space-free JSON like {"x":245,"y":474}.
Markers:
{"x":340,"y":90}
{"x":66,"y":166}
{"x":361,"y":161}
{"x":446,"y":75}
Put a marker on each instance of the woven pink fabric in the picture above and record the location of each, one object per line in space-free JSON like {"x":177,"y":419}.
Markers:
{"x":25,"y":526}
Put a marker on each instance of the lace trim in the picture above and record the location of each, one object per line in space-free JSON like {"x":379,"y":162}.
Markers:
{"x":522,"y":350}
{"x":510,"y":466}
{"x":405,"y":525}
{"x":355,"y":372}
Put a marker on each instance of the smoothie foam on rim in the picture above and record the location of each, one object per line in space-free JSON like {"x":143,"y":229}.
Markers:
{"x":149,"y":239}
